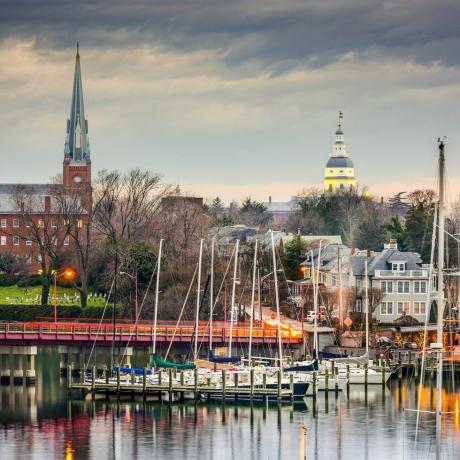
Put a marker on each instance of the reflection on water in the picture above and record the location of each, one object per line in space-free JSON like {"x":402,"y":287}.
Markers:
{"x":39,"y":423}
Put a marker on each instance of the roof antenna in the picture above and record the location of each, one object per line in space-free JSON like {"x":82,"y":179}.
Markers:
{"x":340,"y":119}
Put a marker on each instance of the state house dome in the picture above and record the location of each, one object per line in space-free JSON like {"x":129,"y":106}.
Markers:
{"x":339,"y":173}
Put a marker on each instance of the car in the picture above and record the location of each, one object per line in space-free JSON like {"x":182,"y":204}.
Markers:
{"x":411,"y":346}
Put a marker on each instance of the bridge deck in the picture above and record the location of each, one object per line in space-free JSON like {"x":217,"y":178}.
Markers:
{"x":66,"y":333}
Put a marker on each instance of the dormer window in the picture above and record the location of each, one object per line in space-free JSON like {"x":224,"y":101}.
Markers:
{"x":398,"y":266}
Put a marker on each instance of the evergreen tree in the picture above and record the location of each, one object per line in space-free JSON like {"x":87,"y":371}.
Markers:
{"x":294,"y":255}
{"x":396,"y":231}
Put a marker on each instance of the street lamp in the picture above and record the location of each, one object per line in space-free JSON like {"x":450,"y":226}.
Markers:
{"x":134,"y":278}
{"x":68,"y":274}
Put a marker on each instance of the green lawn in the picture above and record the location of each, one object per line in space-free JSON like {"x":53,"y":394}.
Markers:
{"x":14,"y":295}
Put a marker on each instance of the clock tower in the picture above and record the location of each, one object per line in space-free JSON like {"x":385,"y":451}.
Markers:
{"x":77,"y":158}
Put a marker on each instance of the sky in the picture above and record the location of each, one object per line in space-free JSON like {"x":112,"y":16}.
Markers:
{"x":235,"y":98}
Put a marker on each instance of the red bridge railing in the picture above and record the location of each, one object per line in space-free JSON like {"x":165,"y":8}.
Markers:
{"x":71,"y":331}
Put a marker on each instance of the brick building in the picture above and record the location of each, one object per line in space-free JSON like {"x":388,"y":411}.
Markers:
{"x":32,"y":215}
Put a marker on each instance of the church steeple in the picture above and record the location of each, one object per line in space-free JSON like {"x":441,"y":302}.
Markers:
{"x":77,"y":143}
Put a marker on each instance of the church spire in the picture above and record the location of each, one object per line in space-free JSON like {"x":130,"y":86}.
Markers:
{"x":77,"y":142}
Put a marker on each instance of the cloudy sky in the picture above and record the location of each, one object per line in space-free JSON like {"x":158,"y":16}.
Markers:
{"x":235,"y":98}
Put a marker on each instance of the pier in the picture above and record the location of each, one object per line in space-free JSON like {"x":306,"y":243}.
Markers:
{"x":176,"y":389}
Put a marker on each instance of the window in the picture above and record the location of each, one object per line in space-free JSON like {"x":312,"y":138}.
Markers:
{"x":3,"y":223}
{"x":53,"y":224}
{"x":28,"y":223}
{"x":16,"y":223}
{"x":403,"y":287}
{"x":79,"y":223}
{"x":419,"y":287}
{"x":398,"y":266}
{"x":403,"y":307}
{"x":3,"y":240}
{"x":386,"y":287}
{"x":66,"y":240}
{"x":386,"y":308}
{"x":16,"y":240}
{"x":28,"y":259}
{"x":28,"y":242}
{"x":419,"y":308}
{"x":359,"y":305}
{"x":41,"y":223}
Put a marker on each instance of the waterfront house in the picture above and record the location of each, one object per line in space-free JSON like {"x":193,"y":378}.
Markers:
{"x":400,"y":275}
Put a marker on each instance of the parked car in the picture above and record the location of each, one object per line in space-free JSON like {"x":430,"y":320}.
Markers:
{"x":411,"y":346}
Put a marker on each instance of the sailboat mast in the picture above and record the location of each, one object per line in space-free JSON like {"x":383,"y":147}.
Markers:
{"x":439,"y":339}
{"x":211,"y":293}
{"x":157,"y":292}
{"x":197,"y":313}
{"x":232,"y":306}
{"x":339,"y":256}
{"x":277,"y":299}
{"x":254,"y":276}
{"x":441,"y":214}
{"x":315,"y":300}
{"x":366,"y":306}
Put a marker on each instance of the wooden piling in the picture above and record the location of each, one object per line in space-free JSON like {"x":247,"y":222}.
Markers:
{"x":366,"y":375}
{"x":118,"y":382}
{"x":236,"y":384}
{"x":348,"y":378}
{"x":251,"y":378}
{"x":160,"y":396}
{"x":195,"y":383}
{"x":170,"y":385}
{"x":326,"y":380}
{"x":181,"y":379}
{"x":314,"y":383}
{"x":69,"y":378}
{"x":93,"y":380}
{"x":223,"y":384}
{"x":291,"y":388}
{"x":144,"y":383}
{"x":278,"y":376}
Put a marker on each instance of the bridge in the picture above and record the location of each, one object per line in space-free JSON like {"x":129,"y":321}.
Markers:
{"x":86,"y":333}
{"x":19,"y":341}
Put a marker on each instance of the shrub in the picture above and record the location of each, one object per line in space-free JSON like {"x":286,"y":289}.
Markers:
{"x":29,"y":281}
{"x":25,"y":313}
{"x":8,"y":280}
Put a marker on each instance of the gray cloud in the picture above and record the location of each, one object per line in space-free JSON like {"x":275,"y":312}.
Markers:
{"x":277,"y":35}
{"x":243,"y":93}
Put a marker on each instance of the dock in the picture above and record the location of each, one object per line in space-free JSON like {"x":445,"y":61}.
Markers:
{"x":172,"y":391}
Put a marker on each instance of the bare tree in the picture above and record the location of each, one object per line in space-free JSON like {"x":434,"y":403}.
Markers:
{"x":125,"y":204}
{"x":77,"y":218}
{"x":43,"y":231}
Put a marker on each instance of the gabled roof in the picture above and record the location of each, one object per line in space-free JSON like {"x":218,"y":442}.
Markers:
{"x":310,"y":239}
{"x":382,"y":261}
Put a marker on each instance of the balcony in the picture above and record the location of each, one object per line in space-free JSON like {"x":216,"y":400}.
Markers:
{"x":422,"y":273}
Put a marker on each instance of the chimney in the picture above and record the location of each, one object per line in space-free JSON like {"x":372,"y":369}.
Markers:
{"x":368,"y":253}
{"x":47,"y":204}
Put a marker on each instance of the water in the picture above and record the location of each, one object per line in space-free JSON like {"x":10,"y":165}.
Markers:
{"x":40,"y":423}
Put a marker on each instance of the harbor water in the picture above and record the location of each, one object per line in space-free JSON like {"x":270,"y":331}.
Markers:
{"x":40,"y":422}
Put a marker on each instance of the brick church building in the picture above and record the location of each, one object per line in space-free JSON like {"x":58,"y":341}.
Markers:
{"x":32,"y":216}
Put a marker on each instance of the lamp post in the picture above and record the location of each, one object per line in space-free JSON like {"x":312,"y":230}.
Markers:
{"x":68,"y":274}
{"x":134,"y":278}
